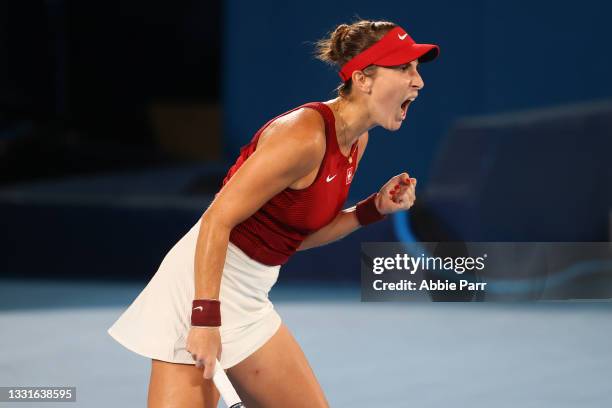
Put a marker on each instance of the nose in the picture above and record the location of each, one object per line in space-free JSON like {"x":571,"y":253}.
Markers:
{"x":417,"y":82}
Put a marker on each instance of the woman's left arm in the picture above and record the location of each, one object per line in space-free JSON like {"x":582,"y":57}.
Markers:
{"x":344,"y":223}
{"x":398,"y":194}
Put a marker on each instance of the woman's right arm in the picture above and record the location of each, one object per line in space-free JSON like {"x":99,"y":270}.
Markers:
{"x":289,"y":152}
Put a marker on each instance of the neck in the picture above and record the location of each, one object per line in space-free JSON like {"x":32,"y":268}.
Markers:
{"x":352,"y":120}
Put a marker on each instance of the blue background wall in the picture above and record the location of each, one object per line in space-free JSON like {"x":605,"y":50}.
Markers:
{"x":495,"y":56}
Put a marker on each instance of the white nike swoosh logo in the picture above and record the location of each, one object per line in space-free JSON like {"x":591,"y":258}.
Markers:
{"x":328,"y":179}
{"x":199,"y":307}
{"x":401,"y":37}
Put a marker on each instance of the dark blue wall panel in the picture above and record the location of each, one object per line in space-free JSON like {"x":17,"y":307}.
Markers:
{"x":495,"y":56}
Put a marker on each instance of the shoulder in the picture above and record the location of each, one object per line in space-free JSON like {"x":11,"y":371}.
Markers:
{"x":309,"y":124}
{"x":299,"y":134}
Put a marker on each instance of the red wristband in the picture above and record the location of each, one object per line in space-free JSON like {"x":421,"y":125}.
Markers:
{"x":366,"y":211}
{"x":206,"y":312}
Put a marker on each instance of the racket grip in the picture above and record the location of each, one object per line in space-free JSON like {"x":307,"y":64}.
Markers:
{"x":225,"y":387}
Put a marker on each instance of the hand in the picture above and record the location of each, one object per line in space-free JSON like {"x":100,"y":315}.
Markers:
{"x":204,"y":344}
{"x":397,"y":194}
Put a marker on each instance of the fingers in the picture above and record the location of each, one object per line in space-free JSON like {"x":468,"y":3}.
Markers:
{"x":199,"y":362}
{"x":204,"y":346}
{"x":405,"y":201}
{"x":207,"y":363}
{"x":400,"y":191}
{"x":403,"y":180}
{"x":403,"y":189}
{"x":209,"y":368}
{"x":393,"y":192}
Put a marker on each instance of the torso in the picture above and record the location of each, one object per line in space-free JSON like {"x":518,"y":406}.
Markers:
{"x":304,"y":114}
{"x":274,"y":232}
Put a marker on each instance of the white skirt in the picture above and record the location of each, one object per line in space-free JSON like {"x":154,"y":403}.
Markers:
{"x":157,"y":322}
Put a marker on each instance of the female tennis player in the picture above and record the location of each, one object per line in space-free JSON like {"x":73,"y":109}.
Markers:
{"x":285,"y":193}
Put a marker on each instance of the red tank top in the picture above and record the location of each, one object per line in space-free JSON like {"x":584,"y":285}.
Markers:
{"x":274,"y":232}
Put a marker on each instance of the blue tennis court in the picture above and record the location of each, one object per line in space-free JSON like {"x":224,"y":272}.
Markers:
{"x":364,"y":354}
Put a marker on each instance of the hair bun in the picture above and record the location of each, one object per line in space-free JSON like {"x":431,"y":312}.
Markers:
{"x":337,"y":46}
{"x":348,"y":40}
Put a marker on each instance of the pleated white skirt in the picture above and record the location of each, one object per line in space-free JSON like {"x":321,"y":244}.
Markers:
{"x":157,"y":322}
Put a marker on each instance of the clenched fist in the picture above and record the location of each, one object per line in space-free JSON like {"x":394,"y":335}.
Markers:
{"x":398,"y":194}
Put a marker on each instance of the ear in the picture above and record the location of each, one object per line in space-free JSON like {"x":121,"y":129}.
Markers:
{"x":362,"y":81}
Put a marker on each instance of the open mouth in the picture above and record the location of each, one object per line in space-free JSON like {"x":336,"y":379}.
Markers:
{"x":405,"y":105}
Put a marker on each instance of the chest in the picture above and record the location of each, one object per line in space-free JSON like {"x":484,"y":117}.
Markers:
{"x":311,"y":209}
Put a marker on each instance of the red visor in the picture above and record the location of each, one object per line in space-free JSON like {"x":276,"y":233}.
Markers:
{"x":395,"y":48}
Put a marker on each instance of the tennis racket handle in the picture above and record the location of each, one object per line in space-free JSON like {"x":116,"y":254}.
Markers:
{"x":225,"y":387}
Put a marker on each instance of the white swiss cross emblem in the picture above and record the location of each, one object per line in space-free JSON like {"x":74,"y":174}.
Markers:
{"x":349,"y":175}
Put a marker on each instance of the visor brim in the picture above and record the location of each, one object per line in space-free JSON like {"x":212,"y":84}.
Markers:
{"x":404,"y":55}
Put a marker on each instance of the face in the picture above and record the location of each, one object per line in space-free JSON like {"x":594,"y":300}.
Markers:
{"x":392,"y":90}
